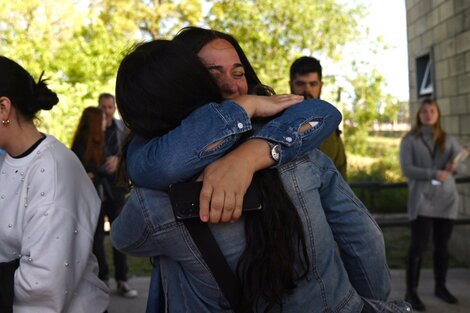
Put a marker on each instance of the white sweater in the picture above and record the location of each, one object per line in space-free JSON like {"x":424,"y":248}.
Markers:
{"x":48,"y":215}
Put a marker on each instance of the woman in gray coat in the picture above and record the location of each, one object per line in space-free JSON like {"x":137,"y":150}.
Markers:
{"x":428,"y":158}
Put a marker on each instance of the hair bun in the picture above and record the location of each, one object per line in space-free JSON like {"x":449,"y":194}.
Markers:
{"x":44,"y":97}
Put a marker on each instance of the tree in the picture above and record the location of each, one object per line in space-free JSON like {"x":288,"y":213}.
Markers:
{"x":364,"y":109}
{"x":80,"y":44}
{"x":275,"y":33}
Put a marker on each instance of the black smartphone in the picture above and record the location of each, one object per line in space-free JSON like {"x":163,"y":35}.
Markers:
{"x":184,"y":199}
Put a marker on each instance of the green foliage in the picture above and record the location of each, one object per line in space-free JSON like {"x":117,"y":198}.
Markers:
{"x":275,"y":33}
{"x":80,"y":44}
{"x":360,"y":117}
{"x":138,"y":266}
{"x":381,"y":166}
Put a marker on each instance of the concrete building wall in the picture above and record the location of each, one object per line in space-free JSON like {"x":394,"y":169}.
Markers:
{"x":441,"y":29}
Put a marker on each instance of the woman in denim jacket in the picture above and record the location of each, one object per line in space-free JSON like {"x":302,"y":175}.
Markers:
{"x":326,"y":284}
{"x":359,"y":238}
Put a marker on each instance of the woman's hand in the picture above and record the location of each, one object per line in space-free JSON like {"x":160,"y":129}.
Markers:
{"x":452,"y":166}
{"x":442,"y":175}
{"x":111,"y":164}
{"x":226,"y":180}
{"x":265,"y":106}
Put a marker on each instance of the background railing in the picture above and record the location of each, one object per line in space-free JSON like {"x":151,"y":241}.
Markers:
{"x":396,"y":219}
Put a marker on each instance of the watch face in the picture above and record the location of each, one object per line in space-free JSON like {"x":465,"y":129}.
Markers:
{"x":275,"y":151}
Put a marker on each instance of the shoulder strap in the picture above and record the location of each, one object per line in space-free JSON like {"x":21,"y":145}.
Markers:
{"x":216,"y":261}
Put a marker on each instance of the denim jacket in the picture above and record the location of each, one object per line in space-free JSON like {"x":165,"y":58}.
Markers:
{"x":142,"y":229}
{"x":183,"y":153}
{"x":323,"y":200}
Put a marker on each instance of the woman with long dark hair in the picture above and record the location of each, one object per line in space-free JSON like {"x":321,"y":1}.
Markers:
{"x":273,"y":252}
{"x":428,"y":160}
{"x":357,"y":235}
{"x":88,"y":142}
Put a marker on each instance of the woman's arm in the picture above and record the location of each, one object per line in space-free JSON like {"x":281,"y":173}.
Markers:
{"x":455,"y":167}
{"x":187,"y":149}
{"x":181,"y":153}
{"x":299,"y":129}
{"x":409,"y":169}
{"x":57,"y":235}
{"x":204,"y":136}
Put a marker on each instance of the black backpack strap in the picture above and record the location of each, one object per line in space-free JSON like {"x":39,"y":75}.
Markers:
{"x":216,"y":261}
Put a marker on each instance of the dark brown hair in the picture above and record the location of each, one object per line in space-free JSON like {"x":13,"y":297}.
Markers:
{"x":90,"y":133}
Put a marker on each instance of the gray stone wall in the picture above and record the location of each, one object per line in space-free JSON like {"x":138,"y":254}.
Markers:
{"x":442,"y":28}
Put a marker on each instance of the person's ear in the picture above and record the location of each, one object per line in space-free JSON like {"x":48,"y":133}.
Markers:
{"x":5,"y":108}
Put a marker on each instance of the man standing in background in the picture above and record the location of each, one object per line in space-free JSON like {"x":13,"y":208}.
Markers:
{"x":114,"y":197}
{"x":306,"y":80}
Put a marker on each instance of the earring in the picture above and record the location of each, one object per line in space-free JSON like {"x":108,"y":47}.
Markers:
{"x":6,"y":122}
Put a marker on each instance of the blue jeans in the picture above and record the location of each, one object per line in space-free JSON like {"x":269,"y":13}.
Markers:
{"x":330,"y":214}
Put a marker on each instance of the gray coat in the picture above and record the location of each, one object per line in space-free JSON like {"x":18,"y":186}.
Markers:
{"x":427,"y":197}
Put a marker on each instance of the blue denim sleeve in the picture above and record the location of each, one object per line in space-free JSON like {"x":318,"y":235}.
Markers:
{"x":183,"y":152}
{"x":284,"y":129}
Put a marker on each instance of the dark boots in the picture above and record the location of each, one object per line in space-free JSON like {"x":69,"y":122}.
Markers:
{"x":412,"y":279}
{"x":440,"y":273}
{"x":442,"y":292}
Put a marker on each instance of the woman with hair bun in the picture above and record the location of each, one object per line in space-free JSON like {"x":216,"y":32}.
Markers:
{"x":49,"y":209}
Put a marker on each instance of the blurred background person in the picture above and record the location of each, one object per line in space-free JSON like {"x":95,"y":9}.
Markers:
{"x":306,"y":80}
{"x":427,"y":157}
{"x":111,"y":206}
{"x":88,"y":144}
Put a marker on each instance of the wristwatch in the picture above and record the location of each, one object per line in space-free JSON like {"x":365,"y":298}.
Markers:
{"x":275,"y":151}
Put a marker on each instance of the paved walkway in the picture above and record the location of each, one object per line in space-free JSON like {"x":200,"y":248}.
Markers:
{"x":458,"y":282}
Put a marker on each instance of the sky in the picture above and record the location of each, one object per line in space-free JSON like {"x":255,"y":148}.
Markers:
{"x":388,"y":18}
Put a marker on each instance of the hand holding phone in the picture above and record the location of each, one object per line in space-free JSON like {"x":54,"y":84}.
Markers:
{"x":184,"y":199}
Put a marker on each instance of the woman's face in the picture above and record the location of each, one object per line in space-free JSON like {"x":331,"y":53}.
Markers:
{"x":428,"y":115}
{"x":223,"y":62}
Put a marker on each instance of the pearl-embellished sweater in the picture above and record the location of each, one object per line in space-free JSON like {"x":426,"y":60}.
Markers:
{"x":48,"y":215}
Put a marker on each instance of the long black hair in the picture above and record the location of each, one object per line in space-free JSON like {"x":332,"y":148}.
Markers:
{"x":27,"y":96}
{"x":158,"y":85}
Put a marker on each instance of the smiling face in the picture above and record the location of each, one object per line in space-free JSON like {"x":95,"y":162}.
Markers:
{"x":428,"y":114}
{"x":223,"y":62}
